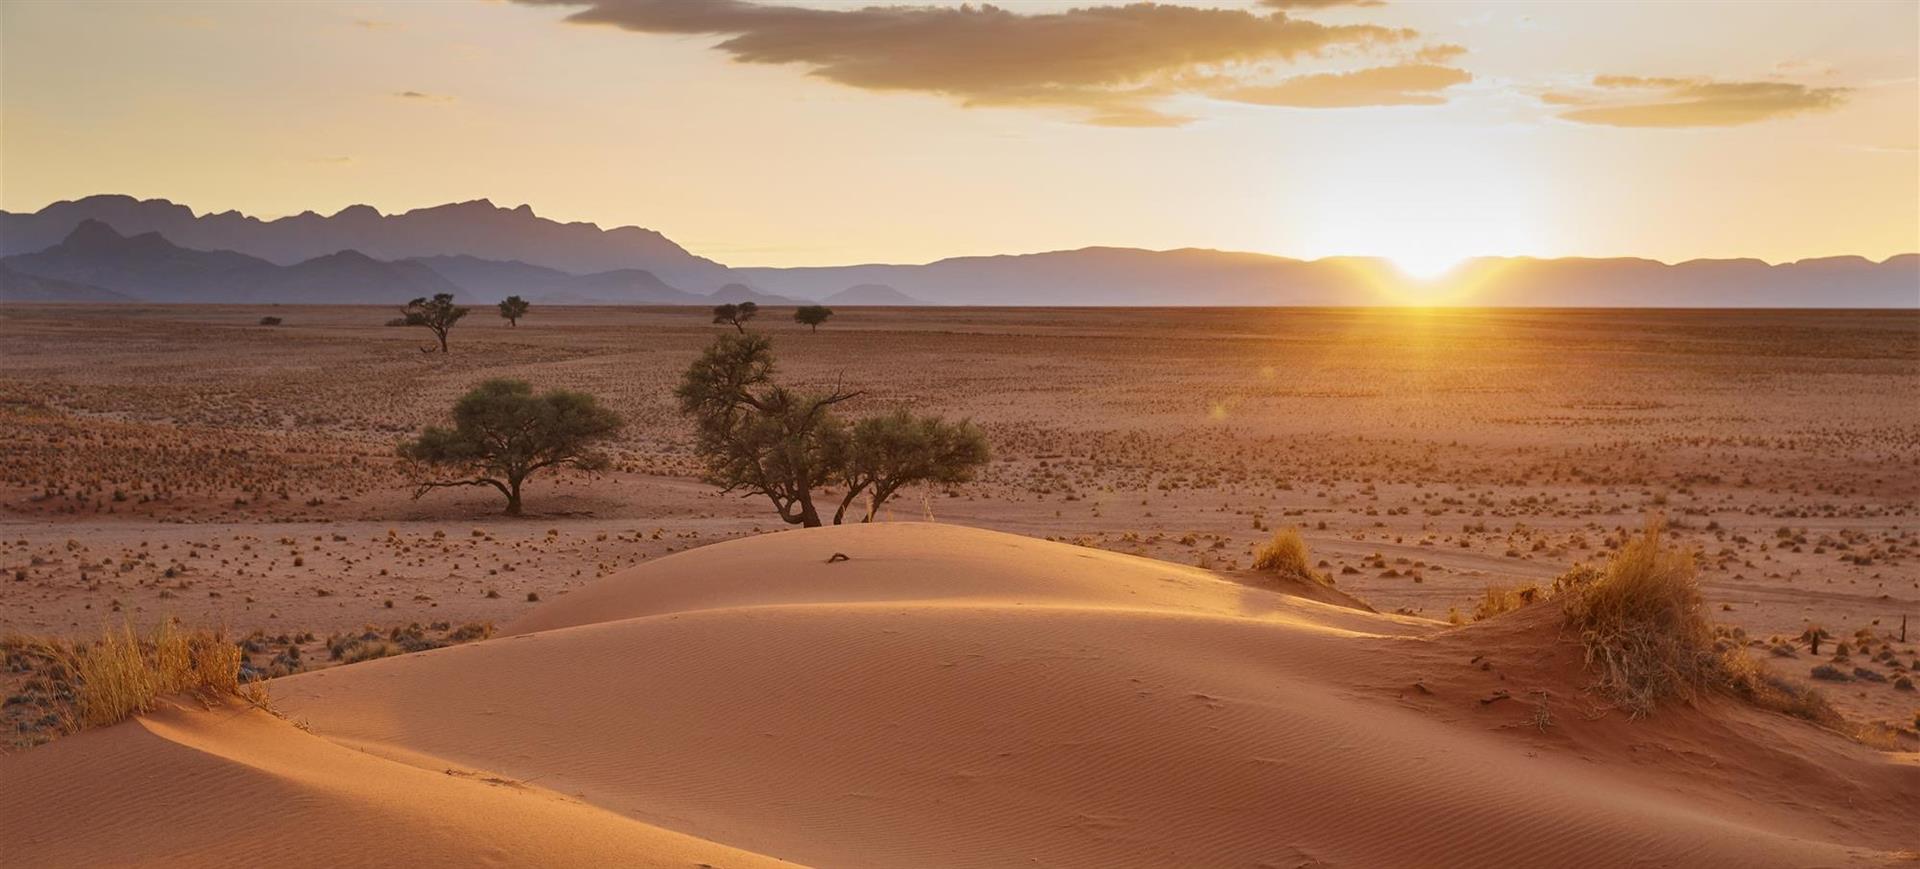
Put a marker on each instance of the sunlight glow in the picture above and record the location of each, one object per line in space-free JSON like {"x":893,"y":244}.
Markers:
{"x":1425,"y":265}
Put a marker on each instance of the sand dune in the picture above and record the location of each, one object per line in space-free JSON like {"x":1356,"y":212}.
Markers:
{"x":235,"y":786}
{"x":958,"y":697}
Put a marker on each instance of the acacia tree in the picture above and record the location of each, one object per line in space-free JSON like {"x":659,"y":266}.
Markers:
{"x":764,"y":439}
{"x":735,"y":315}
{"x":757,"y":437}
{"x":502,"y":433}
{"x":812,"y":315}
{"x":887,"y":452}
{"x":512,"y":308}
{"x":436,"y":315}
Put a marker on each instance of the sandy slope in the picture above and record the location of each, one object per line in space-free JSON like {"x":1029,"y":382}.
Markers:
{"x":957,"y":697}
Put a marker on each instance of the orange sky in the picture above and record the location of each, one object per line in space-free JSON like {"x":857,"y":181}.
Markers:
{"x":767,"y":135}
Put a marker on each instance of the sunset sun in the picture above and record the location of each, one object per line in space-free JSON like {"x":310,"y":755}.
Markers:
{"x":1425,"y":265}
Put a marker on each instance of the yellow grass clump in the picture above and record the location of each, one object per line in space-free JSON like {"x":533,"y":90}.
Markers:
{"x":1498,"y":598}
{"x":122,"y":674}
{"x":1643,"y":624}
{"x":1287,"y":554}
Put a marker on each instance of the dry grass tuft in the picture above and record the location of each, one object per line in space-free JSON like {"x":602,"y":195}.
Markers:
{"x":106,"y":681}
{"x":122,"y":674}
{"x":1287,"y":554}
{"x":1498,"y":599}
{"x":1643,"y":624}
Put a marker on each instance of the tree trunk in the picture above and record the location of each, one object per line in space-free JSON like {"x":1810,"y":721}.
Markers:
{"x":513,"y":497}
{"x":879,"y":496}
{"x":809,"y":517}
{"x":442,"y":335}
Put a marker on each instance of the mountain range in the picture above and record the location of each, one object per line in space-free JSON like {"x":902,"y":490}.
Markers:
{"x":113,"y":248}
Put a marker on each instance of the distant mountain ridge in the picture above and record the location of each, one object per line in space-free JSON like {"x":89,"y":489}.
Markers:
{"x":155,"y":250}
{"x":477,"y":228}
{"x":148,"y":267}
{"x":96,"y":263}
{"x":1099,"y":276}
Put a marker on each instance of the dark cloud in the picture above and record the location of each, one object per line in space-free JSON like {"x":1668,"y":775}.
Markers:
{"x":423,"y":97}
{"x":1115,"y":62}
{"x":1412,"y":84}
{"x":1664,"y":101}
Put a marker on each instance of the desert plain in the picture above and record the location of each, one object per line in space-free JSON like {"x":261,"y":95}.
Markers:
{"x":991,"y":677}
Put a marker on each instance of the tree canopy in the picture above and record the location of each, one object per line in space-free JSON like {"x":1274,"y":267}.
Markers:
{"x":735,"y":315}
{"x":812,"y":315}
{"x":436,"y":315}
{"x":512,"y":308}
{"x":502,"y":433}
{"x":887,"y":452}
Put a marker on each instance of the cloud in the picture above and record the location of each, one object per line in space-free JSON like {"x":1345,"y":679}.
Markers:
{"x":1642,"y":101}
{"x":1112,"y":62}
{"x":423,"y":97}
{"x":1412,"y":84}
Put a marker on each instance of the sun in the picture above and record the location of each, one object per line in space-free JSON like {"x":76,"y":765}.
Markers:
{"x":1424,"y":265}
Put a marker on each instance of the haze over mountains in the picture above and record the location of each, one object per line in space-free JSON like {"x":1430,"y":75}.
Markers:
{"x":114,"y":248}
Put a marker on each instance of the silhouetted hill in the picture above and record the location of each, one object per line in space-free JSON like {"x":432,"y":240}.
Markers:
{"x":736,"y":293}
{"x":149,"y":267}
{"x":493,"y":279}
{"x":871,"y":294}
{"x":476,"y":228}
{"x":17,"y":287}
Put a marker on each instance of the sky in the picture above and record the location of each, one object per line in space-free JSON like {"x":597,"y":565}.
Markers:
{"x":832,"y":133}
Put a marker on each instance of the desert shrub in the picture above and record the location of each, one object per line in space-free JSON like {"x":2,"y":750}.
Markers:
{"x":270,"y":321}
{"x":1642,"y":624}
{"x":1748,"y":680}
{"x":1287,"y":554}
{"x":470,"y":631}
{"x":367,"y":650}
{"x":1499,"y":598}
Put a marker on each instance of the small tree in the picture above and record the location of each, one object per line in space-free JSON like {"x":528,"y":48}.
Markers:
{"x":764,"y":439}
{"x":502,"y":433}
{"x":436,"y":315}
{"x":512,"y":308}
{"x":887,"y":452}
{"x":735,"y":315}
{"x":812,"y":315}
{"x":759,"y":438}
